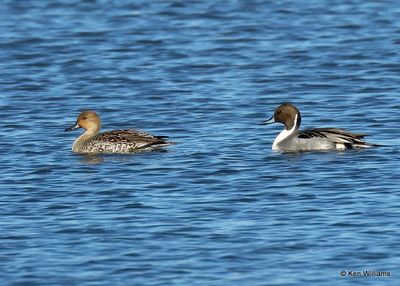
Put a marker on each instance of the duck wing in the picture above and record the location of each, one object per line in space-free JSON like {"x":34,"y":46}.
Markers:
{"x":335,"y":135}
{"x":138,"y":138}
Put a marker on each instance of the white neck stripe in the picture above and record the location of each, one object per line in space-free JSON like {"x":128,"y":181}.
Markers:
{"x":284,"y":135}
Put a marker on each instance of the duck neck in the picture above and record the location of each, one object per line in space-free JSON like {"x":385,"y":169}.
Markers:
{"x":92,"y":131}
{"x":285,"y":134}
{"x":81,"y":140}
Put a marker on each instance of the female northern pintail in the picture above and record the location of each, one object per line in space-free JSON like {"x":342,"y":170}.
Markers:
{"x":115,"y":141}
{"x":293,"y":140}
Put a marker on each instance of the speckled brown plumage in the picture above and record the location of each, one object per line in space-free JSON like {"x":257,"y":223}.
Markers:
{"x":115,"y":141}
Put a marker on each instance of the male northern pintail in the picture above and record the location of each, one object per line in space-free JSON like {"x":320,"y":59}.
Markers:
{"x":293,"y":140}
{"x":115,"y":141}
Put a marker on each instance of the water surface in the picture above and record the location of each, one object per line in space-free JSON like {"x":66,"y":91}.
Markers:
{"x":220,"y":207}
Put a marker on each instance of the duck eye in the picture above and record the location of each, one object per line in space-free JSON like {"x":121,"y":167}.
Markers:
{"x":279,"y":112}
{"x":84,"y":118}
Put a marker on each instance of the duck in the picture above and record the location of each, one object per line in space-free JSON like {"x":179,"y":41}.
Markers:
{"x":291,"y":139}
{"x":114,"y":141}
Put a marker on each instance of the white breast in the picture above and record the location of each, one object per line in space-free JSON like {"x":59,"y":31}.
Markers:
{"x":284,"y":135}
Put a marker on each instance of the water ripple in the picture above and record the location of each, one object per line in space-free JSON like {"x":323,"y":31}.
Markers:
{"x":219,"y":207}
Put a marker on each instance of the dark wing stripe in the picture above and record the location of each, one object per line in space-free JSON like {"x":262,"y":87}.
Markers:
{"x":334,"y":135}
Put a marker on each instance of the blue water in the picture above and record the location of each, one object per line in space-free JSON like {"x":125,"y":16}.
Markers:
{"x":220,"y":207}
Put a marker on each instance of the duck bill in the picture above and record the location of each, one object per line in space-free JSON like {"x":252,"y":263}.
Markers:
{"x":269,"y":121}
{"x":73,"y":127}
